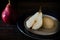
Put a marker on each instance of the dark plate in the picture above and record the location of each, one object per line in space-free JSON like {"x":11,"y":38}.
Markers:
{"x":21,"y":27}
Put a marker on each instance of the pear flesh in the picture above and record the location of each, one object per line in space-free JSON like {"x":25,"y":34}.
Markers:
{"x":38,"y":23}
{"x":35,"y":22}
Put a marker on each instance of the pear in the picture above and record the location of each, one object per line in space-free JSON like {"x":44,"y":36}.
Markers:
{"x":38,"y":23}
{"x":8,"y":15}
{"x":48,"y":22}
{"x":35,"y":22}
{"x":31,"y":20}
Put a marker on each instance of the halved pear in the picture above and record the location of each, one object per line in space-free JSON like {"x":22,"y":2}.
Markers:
{"x":31,"y":20}
{"x":35,"y":21}
{"x":38,"y":23}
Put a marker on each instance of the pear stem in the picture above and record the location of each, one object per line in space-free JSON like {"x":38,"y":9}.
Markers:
{"x":9,"y":1}
{"x":40,"y":9}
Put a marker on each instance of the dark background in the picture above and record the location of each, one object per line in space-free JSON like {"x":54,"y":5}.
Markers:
{"x":21,"y":7}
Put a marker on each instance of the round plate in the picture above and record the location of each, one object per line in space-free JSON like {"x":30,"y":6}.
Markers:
{"x":21,"y":27}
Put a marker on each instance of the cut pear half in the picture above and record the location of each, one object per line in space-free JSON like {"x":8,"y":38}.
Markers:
{"x":35,"y":21}
{"x":38,"y":23}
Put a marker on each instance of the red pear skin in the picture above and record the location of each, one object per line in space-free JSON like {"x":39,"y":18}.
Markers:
{"x":8,"y":15}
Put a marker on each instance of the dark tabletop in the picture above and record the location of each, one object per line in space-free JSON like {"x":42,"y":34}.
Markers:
{"x":10,"y":32}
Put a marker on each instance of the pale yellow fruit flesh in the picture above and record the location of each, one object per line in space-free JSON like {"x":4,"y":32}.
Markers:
{"x":38,"y":23}
{"x":31,"y":20}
